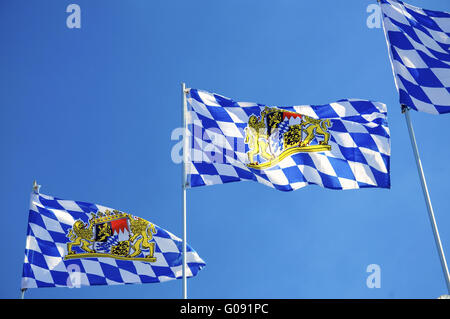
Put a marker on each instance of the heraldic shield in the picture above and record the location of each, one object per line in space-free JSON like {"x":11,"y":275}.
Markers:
{"x":112,"y":234}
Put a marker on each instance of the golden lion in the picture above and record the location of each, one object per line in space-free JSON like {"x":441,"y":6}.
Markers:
{"x":144,"y":230}
{"x":81,"y":236}
{"x":315,"y":127}
{"x":256,"y":138}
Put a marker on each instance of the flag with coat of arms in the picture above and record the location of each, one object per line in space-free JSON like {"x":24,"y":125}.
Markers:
{"x":73,"y":243}
{"x":341,"y":145}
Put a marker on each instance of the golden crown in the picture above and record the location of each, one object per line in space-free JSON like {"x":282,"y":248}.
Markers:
{"x":99,"y":217}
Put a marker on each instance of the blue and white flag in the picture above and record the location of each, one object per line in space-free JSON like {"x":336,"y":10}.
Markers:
{"x":71,"y":243}
{"x":419,"y":44}
{"x":341,"y":145}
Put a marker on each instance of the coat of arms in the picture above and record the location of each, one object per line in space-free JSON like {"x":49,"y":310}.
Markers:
{"x":112,"y":234}
{"x":277,"y":134}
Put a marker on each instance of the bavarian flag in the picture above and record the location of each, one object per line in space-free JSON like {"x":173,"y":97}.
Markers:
{"x":72,"y":243}
{"x":419,"y":47}
{"x":341,"y":145}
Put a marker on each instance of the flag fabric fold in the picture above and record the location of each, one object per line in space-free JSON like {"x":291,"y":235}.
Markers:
{"x":419,"y":46}
{"x":341,"y":145}
{"x":72,"y":243}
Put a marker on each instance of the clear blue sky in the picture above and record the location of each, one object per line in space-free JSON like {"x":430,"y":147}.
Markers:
{"x":88,"y":113}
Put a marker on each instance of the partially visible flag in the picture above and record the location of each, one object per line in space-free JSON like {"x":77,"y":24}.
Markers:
{"x":419,"y":43}
{"x":71,"y":243}
{"x":342,"y":145}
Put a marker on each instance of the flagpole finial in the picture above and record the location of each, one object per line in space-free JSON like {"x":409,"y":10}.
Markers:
{"x":404,"y":108}
{"x":36,"y":187}
{"x":184,"y":88}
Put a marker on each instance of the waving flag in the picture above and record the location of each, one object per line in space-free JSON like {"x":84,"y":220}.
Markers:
{"x":71,"y":243}
{"x":342,"y":145}
{"x":419,"y":43}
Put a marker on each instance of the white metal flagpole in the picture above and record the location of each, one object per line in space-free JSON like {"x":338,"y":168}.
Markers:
{"x":437,"y":239}
{"x":35,"y":190}
{"x":184,"y":184}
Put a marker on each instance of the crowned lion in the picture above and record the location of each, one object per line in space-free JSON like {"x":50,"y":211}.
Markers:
{"x":80,"y":235}
{"x":314,"y":127}
{"x":257,"y":138}
{"x":142,"y":235}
